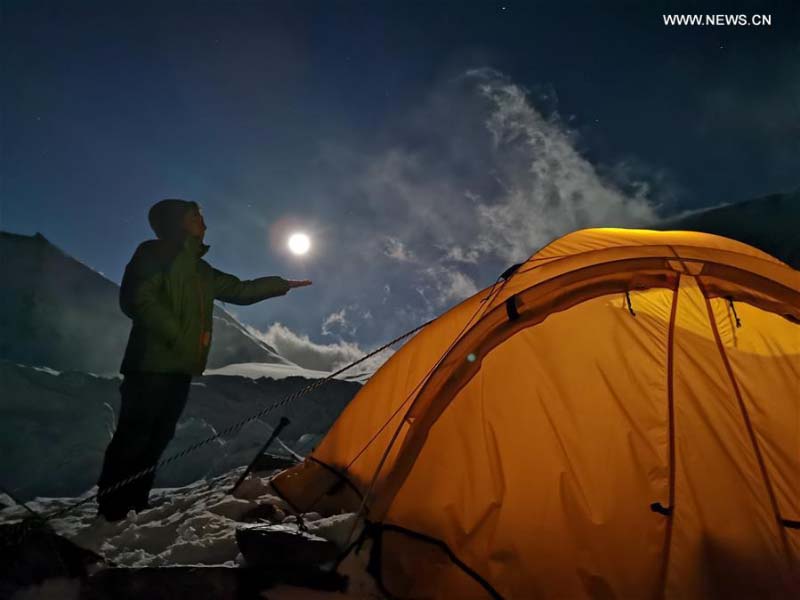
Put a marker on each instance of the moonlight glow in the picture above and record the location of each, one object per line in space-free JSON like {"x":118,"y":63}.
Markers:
{"x":299,"y":243}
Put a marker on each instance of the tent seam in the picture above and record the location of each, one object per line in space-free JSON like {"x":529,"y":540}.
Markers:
{"x":671,"y":429}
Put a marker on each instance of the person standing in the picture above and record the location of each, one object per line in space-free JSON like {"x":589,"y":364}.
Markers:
{"x":168,"y":292}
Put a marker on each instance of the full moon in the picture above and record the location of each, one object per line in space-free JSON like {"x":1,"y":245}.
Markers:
{"x":299,"y":243}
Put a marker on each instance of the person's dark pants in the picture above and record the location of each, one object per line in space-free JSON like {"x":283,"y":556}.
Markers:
{"x":151,"y":405}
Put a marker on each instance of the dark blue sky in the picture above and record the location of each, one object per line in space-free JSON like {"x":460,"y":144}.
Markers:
{"x":408,"y":137}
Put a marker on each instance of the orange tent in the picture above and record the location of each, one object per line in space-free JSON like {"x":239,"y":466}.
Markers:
{"x":619,"y":417}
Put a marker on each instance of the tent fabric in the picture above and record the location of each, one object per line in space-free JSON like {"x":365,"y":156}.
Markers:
{"x":596,"y":425}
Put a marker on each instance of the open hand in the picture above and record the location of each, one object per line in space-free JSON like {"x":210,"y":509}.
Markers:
{"x":293,"y":283}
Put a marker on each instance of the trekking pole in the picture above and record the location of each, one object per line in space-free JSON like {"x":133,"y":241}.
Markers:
{"x":275,"y":433}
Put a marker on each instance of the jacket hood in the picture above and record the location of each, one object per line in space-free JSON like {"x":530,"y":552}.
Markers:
{"x":166,"y":218}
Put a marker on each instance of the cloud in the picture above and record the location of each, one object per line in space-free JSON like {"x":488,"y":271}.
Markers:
{"x":344,"y":321}
{"x":459,"y":254}
{"x":299,"y":349}
{"x":548,"y":187}
{"x":397,"y":250}
{"x":450,"y":285}
{"x":336,"y":320}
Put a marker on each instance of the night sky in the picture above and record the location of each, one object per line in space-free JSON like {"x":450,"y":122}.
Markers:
{"x":423,"y":146}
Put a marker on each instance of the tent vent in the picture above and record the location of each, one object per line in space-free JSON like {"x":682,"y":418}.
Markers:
{"x":628,"y":300}
{"x":510,"y":271}
{"x":511,"y":308}
{"x":659,"y":508}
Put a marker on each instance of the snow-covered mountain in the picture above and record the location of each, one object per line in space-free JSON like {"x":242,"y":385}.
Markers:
{"x":57,"y":312}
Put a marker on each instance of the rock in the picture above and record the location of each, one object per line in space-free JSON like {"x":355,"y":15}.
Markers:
{"x":283,"y":545}
{"x":31,"y":553}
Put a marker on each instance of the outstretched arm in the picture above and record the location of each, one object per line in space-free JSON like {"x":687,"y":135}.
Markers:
{"x":230,"y":288}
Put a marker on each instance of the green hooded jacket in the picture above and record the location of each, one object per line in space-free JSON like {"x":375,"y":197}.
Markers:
{"x":168,"y":291}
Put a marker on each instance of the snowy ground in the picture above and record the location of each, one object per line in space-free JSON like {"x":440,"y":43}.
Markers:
{"x":194,"y":525}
